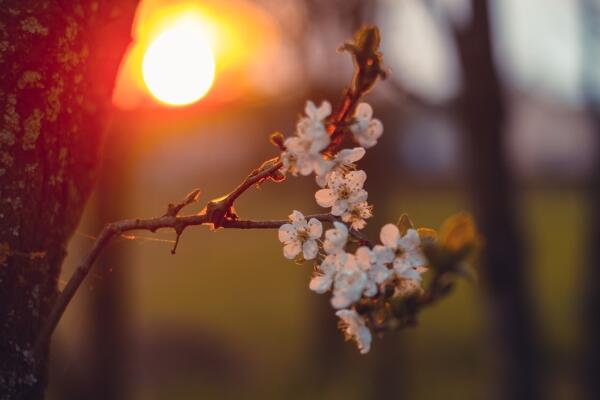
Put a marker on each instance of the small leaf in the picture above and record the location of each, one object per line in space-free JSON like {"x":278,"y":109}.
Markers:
{"x":404,"y":224}
{"x":459,"y":232}
{"x":277,"y":139}
{"x":427,"y":234}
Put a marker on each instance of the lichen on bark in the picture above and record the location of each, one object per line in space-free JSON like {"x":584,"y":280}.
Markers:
{"x":53,"y":55}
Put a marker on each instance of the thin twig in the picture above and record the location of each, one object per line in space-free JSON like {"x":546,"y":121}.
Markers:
{"x":153,"y":224}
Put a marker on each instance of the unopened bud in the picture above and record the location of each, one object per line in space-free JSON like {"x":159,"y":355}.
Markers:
{"x":277,"y":139}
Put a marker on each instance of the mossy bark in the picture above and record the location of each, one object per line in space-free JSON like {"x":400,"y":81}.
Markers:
{"x":58,"y":63}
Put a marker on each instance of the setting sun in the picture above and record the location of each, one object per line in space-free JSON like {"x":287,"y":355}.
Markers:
{"x":178,"y":66}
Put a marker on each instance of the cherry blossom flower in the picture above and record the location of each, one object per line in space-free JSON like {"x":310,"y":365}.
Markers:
{"x":355,"y":328}
{"x":336,"y":238}
{"x":356,"y":214}
{"x":377,"y":271}
{"x":303,"y":151}
{"x":300,"y":236}
{"x":406,"y":249}
{"x":325,"y":274}
{"x":344,"y":160}
{"x":366,"y":129}
{"x":303,"y":154}
{"x":350,"y":281}
{"x":312,"y":124}
{"x":343,"y":190}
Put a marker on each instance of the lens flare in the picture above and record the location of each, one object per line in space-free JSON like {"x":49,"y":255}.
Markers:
{"x":178,"y":66}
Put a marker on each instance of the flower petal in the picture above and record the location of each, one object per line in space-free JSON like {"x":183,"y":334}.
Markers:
{"x":315,"y":228}
{"x":320,"y":140}
{"x":325,"y":197}
{"x":348,"y":156}
{"x":390,"y":235}
{"x":383,"y":254}
{"x":287,"y":233}
{"x":324,"y":110}
{"x":291,"y":250}
{"x":363,"y":257}
{"x":375,"y":129}
{"x":339,"y":207}
{"x":310,"y":109}
{"x":358,"y":196}
{"x":321,"y":180}
{"x":371,"y":289}
{"x":310,"y":249}
{"x":364,"y":110}
{"x":340,"y":300}
{"x":296,"y":216}
{"x":356,"y":179}
{"x":320,"y":283}
{"x":410,"y":240}
{"x":322,"y":167}
{"x":355,"y":328}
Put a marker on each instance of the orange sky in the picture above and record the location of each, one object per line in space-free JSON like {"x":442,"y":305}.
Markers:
{"x":243,"y":38}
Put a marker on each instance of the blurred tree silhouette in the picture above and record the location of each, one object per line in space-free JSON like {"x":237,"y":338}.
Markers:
{"x":503,"y":269}
{"x":590,"y":62}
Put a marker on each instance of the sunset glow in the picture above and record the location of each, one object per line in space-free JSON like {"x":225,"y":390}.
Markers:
{"x":179,"y":67}
{"x":184,"y":51}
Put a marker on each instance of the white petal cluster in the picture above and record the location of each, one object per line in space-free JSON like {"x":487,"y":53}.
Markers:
{"x":406,"y":251}
{"x":352,"y":276}
{"x":343,"y":161}
{"x":300,"y":236}
{"x":308,"y":152}
{"x":303,"y":151}
{"x":366,"y":129}
{"x":355,"y":328}
{"x":363,"y":272}
{"x":346,"y":197}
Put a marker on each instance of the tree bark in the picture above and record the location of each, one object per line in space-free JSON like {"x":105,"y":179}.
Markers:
{"x":58,"y":63}
{"x":503,"y":269}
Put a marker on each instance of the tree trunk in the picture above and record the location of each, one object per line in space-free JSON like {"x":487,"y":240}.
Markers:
{"x":108,"y":311}
{"x":503,"y":271}
{"x":58,"y":63}
{"x":590,"y":62}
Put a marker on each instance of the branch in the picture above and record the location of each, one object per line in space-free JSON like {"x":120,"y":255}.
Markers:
{"x":219,"y":212}
{"x":178,"y":223}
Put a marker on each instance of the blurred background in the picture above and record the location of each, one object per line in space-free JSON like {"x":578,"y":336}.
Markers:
{"x":490,"y":107}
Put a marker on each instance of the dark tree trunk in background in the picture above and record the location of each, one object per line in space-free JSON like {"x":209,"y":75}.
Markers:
{"x":590,"y":61}
{"x":109,"y":329}
{"x":504,"y":273}
{"x":58,"y":62}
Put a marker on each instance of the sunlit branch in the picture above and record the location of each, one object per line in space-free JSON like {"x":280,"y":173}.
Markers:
{"x":173,"y":221}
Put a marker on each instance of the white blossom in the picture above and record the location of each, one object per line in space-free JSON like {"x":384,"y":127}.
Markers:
{"x":356,"y":214}
{"x":407,"y":250}
{"x":303,"y":151}
{"x":312,"y":124}
{"x":325,"y":274}
{"x":300,"y":236}
{"x":343,"y":160}
{"x":355,"y":328}
{"x":366,"y":129}
{"x":377,"y":271}
{"x":303,"y":155}
{"x":335,"y":238}
{"x":350,"y":281}
{"x":343,"y":190}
